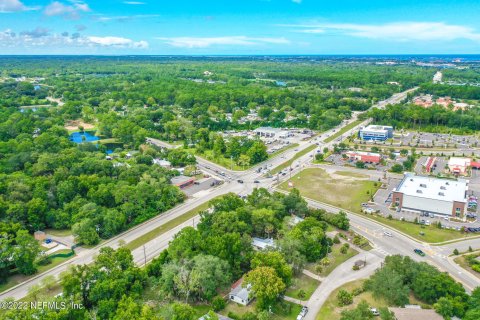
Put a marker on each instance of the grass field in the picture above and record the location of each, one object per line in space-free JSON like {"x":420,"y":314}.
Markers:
{"x":432,"y":234}
{"x":288,"y":163}
{"x":165,"y":227}
{"x":330,"y":309}
{"x":299,"y":283}
{"x":278,"y":313}
{"x":336,"y":258}
{"x":231,"y":165}
{"x":345,"y":192}
{"x":343,"y":130}
{"x":59,"y":233}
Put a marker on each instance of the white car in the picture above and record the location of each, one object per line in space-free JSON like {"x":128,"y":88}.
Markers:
{"x":388,"y":233}
{"x":374,"y":311}
{"x":302,"y":313}
{"x":369,"y":210}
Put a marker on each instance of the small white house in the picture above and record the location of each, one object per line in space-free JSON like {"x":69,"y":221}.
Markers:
{"x":262,"y":244}
{"x":240,"y":294}
{"x":163,"y":163}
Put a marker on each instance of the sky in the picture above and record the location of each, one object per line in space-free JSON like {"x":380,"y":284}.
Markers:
{"x":239,"y":27}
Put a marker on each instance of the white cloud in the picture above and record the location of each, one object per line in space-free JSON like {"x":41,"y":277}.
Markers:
{"x":41,"y":37}
{"x":72,"y":11}
{"x":103,"y":18}
{"x":134,"y":2}
{"x":297,"y":1}
{"x":118,"y":42}
{"x":397,"y":31}
{"x":203,"y":42}
{"x":7,"y":6}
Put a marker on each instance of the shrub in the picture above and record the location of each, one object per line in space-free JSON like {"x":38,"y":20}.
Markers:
{"x":233,"y":316}
{"x":336,"y":239}
{"x":344,"y":298}
{"x":344,"y":248}
{"x":218,"y":303}
{"x":355,"y":267}
{"x":302,"y":294}
{"x":358,"y":291}
{"x":455,"y":251}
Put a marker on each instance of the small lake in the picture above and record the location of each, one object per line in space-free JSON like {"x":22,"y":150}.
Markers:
{"x":77,"y":137}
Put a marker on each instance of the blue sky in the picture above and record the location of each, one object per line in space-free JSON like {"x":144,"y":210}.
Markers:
{"x":239,"y":27}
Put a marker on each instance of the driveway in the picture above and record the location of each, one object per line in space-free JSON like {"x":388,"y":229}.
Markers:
{"x":339,"y":276}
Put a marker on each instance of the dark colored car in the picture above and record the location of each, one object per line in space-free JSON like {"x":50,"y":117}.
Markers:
{"x":240,"y":181}
{"x":419,"y":252}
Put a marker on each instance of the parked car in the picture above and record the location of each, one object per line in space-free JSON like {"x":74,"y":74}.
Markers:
{"x":302,"y":313}
{"x":419,"y":252}
{"x":374,"y":311}
{"x":256,"y":181}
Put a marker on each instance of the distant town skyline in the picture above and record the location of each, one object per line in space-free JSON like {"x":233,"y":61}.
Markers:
{"x":214,"y":27}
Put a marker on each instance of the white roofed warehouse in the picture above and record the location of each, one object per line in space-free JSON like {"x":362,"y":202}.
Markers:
{"x":431,"y":195}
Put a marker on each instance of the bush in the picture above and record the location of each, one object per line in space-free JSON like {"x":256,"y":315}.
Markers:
{"x":218,"y":303}
{"x":358,"y":291}
{"x":336,"y":239}
{"x":344,"y":298}
{"x":233,"y":316}
{"x":302,"y":294}
{"x":455,"y":251}
{"x":249,"y":316}
{"x":344,"y":248}
{"x":355,"y":267}
{"x":318,"y":268}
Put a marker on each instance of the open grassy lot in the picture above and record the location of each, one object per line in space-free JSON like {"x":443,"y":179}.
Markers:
{"x":288,"y":163}
{"x":302,"y":287}
{"x":431,"y":234}
{"x":343,"y":130}
{"x":165,"y":227}
{"x":330,"y":309}
{"x":278,"y":313}
{"x":231,"y":165}
{"x":346,"y":192}
{"x":336,"y":258}
{"x":59,"y":233}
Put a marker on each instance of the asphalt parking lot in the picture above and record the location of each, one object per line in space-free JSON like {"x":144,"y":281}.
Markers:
{"x":438,"y":140}
{"x":200,"y":185}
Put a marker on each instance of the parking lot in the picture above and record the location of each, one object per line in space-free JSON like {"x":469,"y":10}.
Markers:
{"x":200,"y":185}
{"x":437,"y":140}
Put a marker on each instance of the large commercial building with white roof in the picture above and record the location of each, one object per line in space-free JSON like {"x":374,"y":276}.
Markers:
{"x":376,"y":133}
{"x":431,"y":195}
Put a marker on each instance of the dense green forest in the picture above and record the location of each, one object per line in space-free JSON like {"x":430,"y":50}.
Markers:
{"x":433,"y":119}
